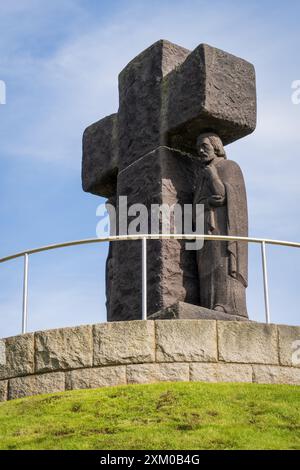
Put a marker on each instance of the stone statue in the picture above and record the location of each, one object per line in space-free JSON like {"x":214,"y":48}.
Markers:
{"x":146,"y":151}
{"x":222,"y":265}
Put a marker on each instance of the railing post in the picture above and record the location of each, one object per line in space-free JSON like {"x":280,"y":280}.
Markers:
{"x":25,"y":295}
{"x":144,"y":278}
{"x":265,"y":275}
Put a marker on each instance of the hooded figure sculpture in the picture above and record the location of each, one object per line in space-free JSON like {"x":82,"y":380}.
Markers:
{"x":222,"y":265}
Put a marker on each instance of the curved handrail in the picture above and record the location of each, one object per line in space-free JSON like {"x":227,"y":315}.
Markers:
{"x":144,"y":237}
{"x":175,"y":236}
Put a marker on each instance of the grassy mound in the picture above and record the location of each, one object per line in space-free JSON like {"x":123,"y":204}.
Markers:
{"x":156,"y":416}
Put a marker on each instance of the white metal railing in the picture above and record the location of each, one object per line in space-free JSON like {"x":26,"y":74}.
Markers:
{"x":144,"y":237}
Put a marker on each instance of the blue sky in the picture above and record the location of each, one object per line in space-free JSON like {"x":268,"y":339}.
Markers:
{"x":60,"y":61}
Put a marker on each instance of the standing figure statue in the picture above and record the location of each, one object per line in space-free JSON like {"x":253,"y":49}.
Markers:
{"x":222,"y":265}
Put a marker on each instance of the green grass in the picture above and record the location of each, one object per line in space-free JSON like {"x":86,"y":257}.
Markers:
{"x":156,"y":416}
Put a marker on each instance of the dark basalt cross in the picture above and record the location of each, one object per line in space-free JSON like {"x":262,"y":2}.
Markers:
{"x":168,"y":95}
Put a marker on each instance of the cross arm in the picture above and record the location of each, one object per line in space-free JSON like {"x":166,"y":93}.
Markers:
{"x":211,"y":90}
{"x":100,"y":157}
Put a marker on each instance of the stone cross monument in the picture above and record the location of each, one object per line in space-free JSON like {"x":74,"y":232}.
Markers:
{"x":148,"y":151}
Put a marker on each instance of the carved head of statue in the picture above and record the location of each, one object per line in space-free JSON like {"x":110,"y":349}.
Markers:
{"x":210,"y":147}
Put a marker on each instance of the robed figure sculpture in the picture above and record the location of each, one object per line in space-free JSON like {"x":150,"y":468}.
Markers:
{"x":222,"y":265}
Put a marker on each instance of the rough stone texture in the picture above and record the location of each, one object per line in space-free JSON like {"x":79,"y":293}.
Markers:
{"x":163,"y":177}
{"x":276,"y":375}
{"x":247,"y":342}
{"x":124,"y":343}
{"x":289,"y":345}
{"x":17,"y":356}
{"x":96,"y":377}
{"x":186,"y":340}
{"x":3,"y":390}
{"x":212,"y":90}
{"x":100,"y":157}
{"x":2,"y":353}
{"x":140,"y":104}
{"x":148,"y":373}
{"x":185,"y":311}
{"x":36,"y":384}
{"x":67,"y":348}
{"x":220,"y":372}
{"x":154,"y":351}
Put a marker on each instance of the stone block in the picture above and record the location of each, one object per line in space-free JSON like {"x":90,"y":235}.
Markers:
{"x":3,"y":390}
{"x":211,"y":90}
{"x":185,"y":311}
{"x":100,"y":157}
{"x":149,"y":373}
{"x":186,"y":340}
{"x":124,"y":342}
{"x":36,"y":385}
{"x":96,"y":377}
{"x":276,"y":375}
{"x":140,"y":99}
{"x":289,"y":345}
{"x":17,"y":356}
{"x":217,"y":372}
{"x":247,"y":342}
{"x":67,"y":348}
{"x":163,"y":177}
